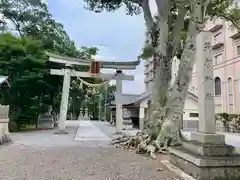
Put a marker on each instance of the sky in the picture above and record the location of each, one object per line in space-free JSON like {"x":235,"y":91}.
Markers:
{"x":118,"y":36}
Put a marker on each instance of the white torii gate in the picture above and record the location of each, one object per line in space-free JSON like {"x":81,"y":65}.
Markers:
{"x":67,"y":72}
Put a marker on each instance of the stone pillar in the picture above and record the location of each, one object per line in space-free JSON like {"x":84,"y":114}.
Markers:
{"x":86,"y":116}
{"x":141,"y":118}
{"x":4,"y":120}
{"x":118,"y":96}
{"x":80,"y":117}
{"x":206,"y":156}
{"x":207,"y":122}
{"x":64,"y":101}
{"x":110,"y":120}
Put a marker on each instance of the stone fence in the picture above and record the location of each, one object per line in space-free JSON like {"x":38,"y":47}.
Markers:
{"x":231,"y":126}
{"x":4,"y":133}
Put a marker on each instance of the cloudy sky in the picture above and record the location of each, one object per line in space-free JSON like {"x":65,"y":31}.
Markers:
{"x":119,"y":37}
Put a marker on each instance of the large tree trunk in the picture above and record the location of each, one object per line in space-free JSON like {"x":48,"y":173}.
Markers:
{"x":161,"y":81}
{"x":178,"y":94}
{"x":168,"y":102}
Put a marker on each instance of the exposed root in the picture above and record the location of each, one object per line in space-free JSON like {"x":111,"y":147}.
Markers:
{"x":147,"y":142}
{"x":141,"y":143}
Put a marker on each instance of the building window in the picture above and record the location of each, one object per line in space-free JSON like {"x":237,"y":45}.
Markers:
{"x":193,"y":114}
{"x":230,"y":88}
{"x":217,"y":86}
{"x":238,"y":50}
{"x":217,"y":38}
{"x":218,"y":59}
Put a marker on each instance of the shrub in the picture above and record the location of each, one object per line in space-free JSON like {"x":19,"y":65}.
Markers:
{"x":12,"y":126}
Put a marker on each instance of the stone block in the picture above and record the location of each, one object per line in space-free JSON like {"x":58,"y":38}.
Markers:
{"x":206,"y":173}
{"x":6,"y":138}
{"x":45,"y":122}
{"x":208,"y":138}
{"x":190,"y":125}
{"x":206,"y":168}
{"x":207,"y":149}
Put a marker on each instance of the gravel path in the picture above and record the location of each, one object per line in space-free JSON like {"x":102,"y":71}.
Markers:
{"x":76,"y":163}
{"x":24,"y":160}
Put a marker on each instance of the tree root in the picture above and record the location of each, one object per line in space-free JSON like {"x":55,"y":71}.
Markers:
{"x":141,"y":143}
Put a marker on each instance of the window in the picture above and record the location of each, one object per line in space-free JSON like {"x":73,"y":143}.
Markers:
{"x":193,"y":114}
{"x":217,"y":86}
{"x":230,"y":88}
{"x":217,"y":38}
{"x":238,"y":50}
{"x":218,"y":59}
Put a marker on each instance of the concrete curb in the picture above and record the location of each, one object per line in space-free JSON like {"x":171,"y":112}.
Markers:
{"x":176,"y":170}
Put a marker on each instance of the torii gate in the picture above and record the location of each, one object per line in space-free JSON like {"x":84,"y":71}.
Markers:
{"x":67,"y":72}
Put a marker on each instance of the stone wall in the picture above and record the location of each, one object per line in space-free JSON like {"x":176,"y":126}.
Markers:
{"x":4,"y":133}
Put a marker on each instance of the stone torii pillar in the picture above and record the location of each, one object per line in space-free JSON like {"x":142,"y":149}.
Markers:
{"x":68,"y":72}
{"x":118,"y":98}
{"x":119,"y":77}
{"x":64,"y":100}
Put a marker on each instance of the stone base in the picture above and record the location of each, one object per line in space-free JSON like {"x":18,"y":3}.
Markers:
{"x":206,"y":167}
{"x":61,"y":132}
{"x":208,"y":149}
{"x":208,"y":138}
{"x":5,"y":139}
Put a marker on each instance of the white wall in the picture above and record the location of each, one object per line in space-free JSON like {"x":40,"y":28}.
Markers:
{"x":191,"y":105}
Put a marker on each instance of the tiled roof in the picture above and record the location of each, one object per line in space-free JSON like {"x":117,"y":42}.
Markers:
{"x":147,"y":96}
{"x":127,"y":99}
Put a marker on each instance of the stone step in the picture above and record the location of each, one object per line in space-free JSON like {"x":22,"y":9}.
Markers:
{"x":205,"y":168}
{"x":207,"y":149}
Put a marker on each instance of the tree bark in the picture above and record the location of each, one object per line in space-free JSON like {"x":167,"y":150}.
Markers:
{"x":177,"y":95}
{"x":184,"y":77}
{"x":168,"y":101}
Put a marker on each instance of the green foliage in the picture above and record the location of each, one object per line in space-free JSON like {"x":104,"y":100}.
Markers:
{"x":100,"y":5}
{"x":228,"y":117}
{"x":225,"y":9}
{"x":229,"y":121}
{"x":147,"y":52}
{"x":32,"y":18}
{"x":12,"y":126}
{"x":22,"y":58}
{"x":24,"y":61}
{"x":216,"y":8}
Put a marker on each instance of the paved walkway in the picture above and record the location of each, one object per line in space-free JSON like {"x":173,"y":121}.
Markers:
{"x":83,"y":154}
{"x":87,"y":131}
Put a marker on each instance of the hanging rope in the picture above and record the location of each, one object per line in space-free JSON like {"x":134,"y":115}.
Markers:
{"x":95,"y":85}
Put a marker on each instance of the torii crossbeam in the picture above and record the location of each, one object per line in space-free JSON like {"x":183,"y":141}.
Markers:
{"x":67,"y":72}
